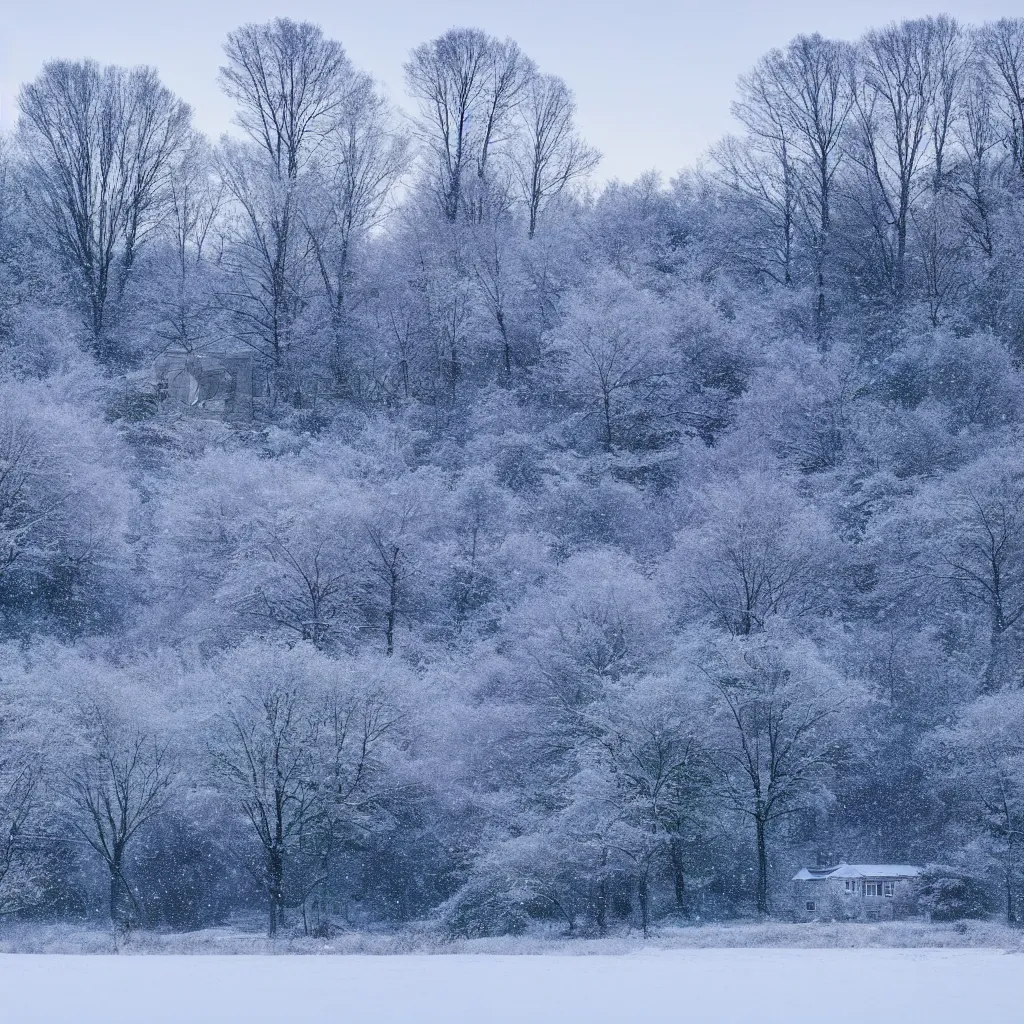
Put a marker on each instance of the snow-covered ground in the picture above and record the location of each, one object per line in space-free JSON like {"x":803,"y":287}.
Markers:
{"x":693,"y":986}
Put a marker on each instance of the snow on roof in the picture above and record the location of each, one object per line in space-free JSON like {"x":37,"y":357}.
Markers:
{"x":858,"y":871}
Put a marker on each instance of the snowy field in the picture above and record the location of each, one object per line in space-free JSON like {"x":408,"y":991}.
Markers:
{"x":717,"y":986}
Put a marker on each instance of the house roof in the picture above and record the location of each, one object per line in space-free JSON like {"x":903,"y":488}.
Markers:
{"x":858,"y":871}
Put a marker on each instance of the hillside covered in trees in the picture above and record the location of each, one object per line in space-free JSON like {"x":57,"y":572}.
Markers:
{"x":582,"y":555}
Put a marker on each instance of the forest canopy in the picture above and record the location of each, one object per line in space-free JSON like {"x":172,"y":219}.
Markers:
{"x":397,"y":526}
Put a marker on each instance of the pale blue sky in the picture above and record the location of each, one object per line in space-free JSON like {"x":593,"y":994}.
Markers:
{"x":654,"y":79}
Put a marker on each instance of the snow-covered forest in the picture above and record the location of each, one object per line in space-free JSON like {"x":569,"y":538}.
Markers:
{"x":593,"y":555}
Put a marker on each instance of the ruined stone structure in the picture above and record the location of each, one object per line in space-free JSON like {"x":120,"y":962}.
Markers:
{"x":215,"y":384}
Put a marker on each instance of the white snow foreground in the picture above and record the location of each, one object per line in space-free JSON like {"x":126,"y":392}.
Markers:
{"x":693,"y":986}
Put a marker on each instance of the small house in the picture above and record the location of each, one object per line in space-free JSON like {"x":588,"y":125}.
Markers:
{"x":853,"y":892}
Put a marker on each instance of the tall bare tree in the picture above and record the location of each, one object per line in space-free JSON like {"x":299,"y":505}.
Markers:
{"x":102,"y":144}
{"x":1002,"y":44}
{"x":265,"y":755}
{"x":266,"y":255}
{"x":804,"y":94}
{"x":323,"y":166}
{"x":509,"y":72}
{"x":184,"y":308}
{"x":761,"y":169}
{"x":952,"y":57}
{"x":468,"y":85}
{"x":20,"y":775}
{"x":978,"y":177}
{"x":356,"y":724}
{"x":762,"y":187}
{"x":359,"y":165}
{"x":905,"y":96}
{"x":775,"y":743}
{"x":120,"y":784}
{"x":550,"y":155}
{"x":289,"y":83}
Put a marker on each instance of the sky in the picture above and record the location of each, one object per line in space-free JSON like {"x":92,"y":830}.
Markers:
{"x":654,"y":79}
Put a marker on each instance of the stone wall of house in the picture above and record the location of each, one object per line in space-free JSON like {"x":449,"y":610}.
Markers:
{"x":827,"y":900}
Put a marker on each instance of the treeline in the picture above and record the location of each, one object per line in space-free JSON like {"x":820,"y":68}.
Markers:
{"x":593,"y":555}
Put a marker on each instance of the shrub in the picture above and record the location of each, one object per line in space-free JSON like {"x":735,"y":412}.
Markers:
{"x":951,"y":895}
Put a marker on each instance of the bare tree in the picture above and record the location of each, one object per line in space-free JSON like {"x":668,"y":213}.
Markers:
{"x":184,"y":304}
{"x":267,"y":255}
{"x":19,"y":797}
{"x":32,"y":497}
{"x":981,"y":551}
{"x":905,"y":96}
{"x":978,"y":178}
{"x":940,"y":254}
{"x":759,"y":554}
{"x":311,"y":587}
{"x":762,"y":187}
{"x":795,"y":106}
{"x":355,"y":726}
{"x":1002,"y":44}
{"x":19,"y":461}
{"x":815,"y":77}
{"x":328,"y":161}
{"x":509,"y":72}
{"x":12,"y":238}
{"x":361,"y":161}
{"x":775,"y":745}
{"x":392,"y":535}
{"x":301,"y":751}
{"x":952,"y":56}
{"x":449,"y":78}
{"x":468,"y":86}
{"x":550,"y":155}
{"x":980,"y":759}
{"x":289,"y":83}
{"x":939,"y":246}
{"x":119,"y":785}
{"x":493,"y":276}
{"x":762,"y":169}
{"x":614,"y":359}
{"x":649,"y":741}
{"x":102,"y":144}
{"x":265,"y":755}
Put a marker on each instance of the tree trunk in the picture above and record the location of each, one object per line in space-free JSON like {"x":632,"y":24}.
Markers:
{"x":998,"y":670}
{"x":762,"y":867}
{"x":392,"y":607}
{"x":644,"y":893}
{"x":275,"y":872}
{"x":500,"y":317}
{"x":678,"y":875}
{"x":1011,"y":917}
{"x":1011,"y":909}
{"x":115,"y":892}
{"x":821,"y":314}
{"x":602,"y":896}
{"x":607,"y":405}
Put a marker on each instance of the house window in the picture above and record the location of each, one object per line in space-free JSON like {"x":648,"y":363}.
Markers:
{"x":873,"y":888}
{"x":850,"y":887}
{"x":889,"y":888}
{"x":810,"y":904}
